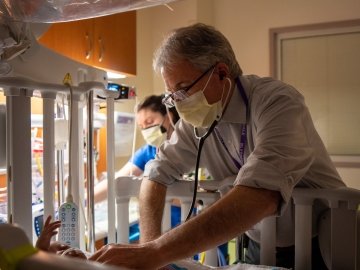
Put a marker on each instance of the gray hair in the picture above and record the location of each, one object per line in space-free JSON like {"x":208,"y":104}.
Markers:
{"x":201,"y":45}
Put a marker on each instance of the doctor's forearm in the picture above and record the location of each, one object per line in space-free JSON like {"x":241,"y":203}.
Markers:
{"x":152,"y":201}
{"x":221,"y":222}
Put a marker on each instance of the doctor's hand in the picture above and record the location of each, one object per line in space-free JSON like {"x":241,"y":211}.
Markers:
{"x":144,"y":256}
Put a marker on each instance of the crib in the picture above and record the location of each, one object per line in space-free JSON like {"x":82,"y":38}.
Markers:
{"x":338,"y":228}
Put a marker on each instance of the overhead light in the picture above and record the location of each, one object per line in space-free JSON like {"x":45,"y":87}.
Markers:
{"x":113,"y":75}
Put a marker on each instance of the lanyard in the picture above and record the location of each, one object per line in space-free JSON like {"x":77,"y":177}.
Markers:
{"x":243,"y":136}
{"x":203,"y":138}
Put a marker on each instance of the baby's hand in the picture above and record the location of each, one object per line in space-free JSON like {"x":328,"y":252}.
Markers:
{"x":73,"y":252}
{"x":49,"y":230}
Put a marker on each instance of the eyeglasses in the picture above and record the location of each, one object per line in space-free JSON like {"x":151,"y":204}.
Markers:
{"x":179,"y":95}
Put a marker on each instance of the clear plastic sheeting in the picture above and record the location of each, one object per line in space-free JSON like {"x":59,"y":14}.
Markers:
{"x":51,"y":11}
{"x":14,"y":40}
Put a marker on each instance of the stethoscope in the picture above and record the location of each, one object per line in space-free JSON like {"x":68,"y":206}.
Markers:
{"x":202,"y":139}
{"x":197,"y":166}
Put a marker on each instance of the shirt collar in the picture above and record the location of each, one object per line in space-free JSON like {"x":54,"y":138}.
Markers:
{"x":236,"y":109}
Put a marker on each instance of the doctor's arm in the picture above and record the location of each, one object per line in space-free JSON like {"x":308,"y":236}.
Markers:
{"x":152,"y":201}
{"x":230,"y":216}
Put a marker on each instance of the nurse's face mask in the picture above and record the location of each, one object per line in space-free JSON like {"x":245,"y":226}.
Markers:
{"x":154,"y":135}
{"x":196,"y":110}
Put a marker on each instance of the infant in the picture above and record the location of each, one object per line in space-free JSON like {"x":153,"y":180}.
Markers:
{"x":50,"y":229}
{"x":44,"y":241}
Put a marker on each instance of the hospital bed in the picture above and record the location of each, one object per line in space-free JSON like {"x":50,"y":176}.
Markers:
{"x":18,"y":254}
{"x":338,"y":228}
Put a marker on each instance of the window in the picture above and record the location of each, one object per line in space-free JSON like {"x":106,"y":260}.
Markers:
{"x":323,"y":62}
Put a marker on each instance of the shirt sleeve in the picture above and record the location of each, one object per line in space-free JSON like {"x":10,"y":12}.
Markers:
{"x":143,"y":156}
{"x":282,"y":153}
{"x":175,"y":157}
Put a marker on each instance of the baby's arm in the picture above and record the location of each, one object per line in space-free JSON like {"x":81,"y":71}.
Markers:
{"x":43,"y":242}
{"x":49,"y":230}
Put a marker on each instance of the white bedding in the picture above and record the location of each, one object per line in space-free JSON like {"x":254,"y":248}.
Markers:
{"x":193,"y":265}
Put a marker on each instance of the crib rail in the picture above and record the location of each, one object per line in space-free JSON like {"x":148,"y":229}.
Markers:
{"x":128,"y":187}
{"x":343,"y":203}
{"x":343,"y":229}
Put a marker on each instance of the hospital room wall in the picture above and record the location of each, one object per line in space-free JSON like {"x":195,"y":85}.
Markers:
{"x":246,"y":24}
{"x":150,"y":30}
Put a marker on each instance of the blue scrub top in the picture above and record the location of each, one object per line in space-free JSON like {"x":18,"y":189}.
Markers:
{"x":143,"y":155}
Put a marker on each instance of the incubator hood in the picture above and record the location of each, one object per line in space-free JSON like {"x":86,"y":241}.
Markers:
{"x":22,"y":21}
{"x":50,"y":11}
{"x":22,"y":56}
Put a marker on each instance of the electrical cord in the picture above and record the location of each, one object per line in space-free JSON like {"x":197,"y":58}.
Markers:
{"x":69,"y":197}
{"x":196,"y":181}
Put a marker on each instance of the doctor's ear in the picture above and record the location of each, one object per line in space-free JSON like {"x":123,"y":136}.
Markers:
{"x":222,"y":70}
{"x":222,"y":75}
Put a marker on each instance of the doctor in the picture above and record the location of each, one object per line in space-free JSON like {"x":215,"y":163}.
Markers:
{"x":263,"y":139}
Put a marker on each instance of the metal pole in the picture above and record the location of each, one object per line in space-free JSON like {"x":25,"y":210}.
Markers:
{"x":49,"y":157}
{"x":110,"y":153}
{"x":82,"y":215}
{"x":75,"y":164}
{"x":60,"y":176}
{"x":90,"y":172}
{"x":75,"y":141}
{"x":8,"y":159}
{"x":60,"y":160}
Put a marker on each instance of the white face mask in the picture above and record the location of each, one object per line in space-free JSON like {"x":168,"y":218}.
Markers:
{"x":197,"y":111}
{"x":154,"y":136}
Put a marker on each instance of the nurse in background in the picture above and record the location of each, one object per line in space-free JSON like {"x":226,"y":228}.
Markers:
{"x":157,"y":124}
